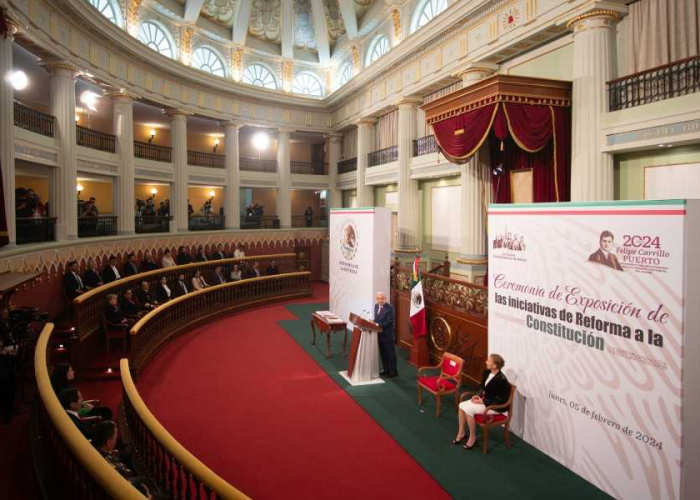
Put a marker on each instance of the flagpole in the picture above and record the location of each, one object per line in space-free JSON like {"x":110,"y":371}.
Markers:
{"x":419,"y":354}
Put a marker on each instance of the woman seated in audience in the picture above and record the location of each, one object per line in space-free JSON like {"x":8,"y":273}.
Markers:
{"x":163,"y":292}
{"x":128,"y":305}
{"x":235,"y":273}
{"x":201,"y":255}
{"x":494,"y":390}
{"x":183,"y":257}
{"x":198,"y":282}
{"x":62,"y":378}
{"x":167,"y":260}
{"x":92,"y":278}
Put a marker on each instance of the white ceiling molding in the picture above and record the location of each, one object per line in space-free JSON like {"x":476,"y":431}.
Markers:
{"x":240,"y":27}
{"x":192,"y":10}
{"x":349,"y":18}
{"x":321,"y":30}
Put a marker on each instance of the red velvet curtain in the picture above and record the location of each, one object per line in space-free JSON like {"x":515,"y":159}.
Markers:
{"x":461,"y":136}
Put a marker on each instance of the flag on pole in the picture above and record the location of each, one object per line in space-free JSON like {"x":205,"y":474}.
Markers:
{"x":417,"y":302}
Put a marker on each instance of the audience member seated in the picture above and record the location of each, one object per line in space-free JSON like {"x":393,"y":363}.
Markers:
{"x":239,"y":253}
{"x":183,"y":257}
{"x":62,"y":378}
{"x":247,"y":271}
{"x":114,"y":314}
{"x":105,"y":440}
{"x":219,"y":276}
{"x":272,"y":269}
{"x":494,"y":390}
{"x":141,"y":485}
{"x":235,"y":273}
{"x":144,"y":297}
{"x":201,"y":255}
{"x":219,"y":254}
{"x":92,"y":277}
{"x":256,"y":270}
{"x":72,"y":401}
{"x":198,"y":282}
{"x":180,"y":287}
{"x":128,"y":306}
{"x":110,"y":272}
{"x":8,"y":354}
{"x":163,"y":292}
{"x":130,"y":267}
{"x":73,"y":284}
{"x":167,"y":260}
{"x":147,"y":263}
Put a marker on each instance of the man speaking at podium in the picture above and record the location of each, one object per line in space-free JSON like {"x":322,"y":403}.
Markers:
{"x":384,"y":317}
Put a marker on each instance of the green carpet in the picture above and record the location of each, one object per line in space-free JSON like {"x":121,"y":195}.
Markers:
{"x":521,"y":472}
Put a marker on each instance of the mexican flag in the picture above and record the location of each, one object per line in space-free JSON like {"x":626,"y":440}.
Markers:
{"x":417,"y":302}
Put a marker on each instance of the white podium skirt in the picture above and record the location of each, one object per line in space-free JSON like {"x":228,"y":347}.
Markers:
{"x":366,"y":369}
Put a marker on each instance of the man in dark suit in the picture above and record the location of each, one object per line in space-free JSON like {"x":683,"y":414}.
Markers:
{"x":180,"y":287}
{"x":604,"y":254}
{"x":384,"y":317}
{"x":113,"y":314}
{"x":130,"y":267}
{"x":144,"y":297}
{"x":147,"y":263}
{"x":219,"y":276}
{"x":110,"y":272}
{"x":219,"y":254}
{"x":72,"y":282}
{"x":72,"y":401}
{"x":272,"y":269}
{"x":92,"y":277}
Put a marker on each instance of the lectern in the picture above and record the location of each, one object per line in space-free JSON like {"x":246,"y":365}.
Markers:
{"x":363,"y":365}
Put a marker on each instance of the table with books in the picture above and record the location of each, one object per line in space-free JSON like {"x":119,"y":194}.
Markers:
{"x":328,"y":323}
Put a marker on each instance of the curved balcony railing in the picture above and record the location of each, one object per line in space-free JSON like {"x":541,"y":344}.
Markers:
{"x":425,"y":145}
{"x":35,"y":229}
{"x":67,"y":464}
{"x":34,"y":121}
{"x":256,"y":165}
{"x":309,"y":167}
{"x":349,"y":165}
{"x":152,"y":152}
{"x":206,"y":222}
{"x":260,"y":222}
{"x":210,"y":160}
{"x":146,"y":224}
{"x":101,"y":225}
{"x":386,"y":155}
{"x":94,"y":139}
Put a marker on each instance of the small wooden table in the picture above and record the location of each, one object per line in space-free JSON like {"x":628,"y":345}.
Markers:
{"x":328,"y":328}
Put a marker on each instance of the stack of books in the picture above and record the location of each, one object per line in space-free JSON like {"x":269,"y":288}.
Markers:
{"x":329,"y":317}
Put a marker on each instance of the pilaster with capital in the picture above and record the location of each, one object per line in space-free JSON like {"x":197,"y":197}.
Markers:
{"x":592,"y":176}
{"x":476,"y":71}
{"x":284,"y":178}
{"x":7,"y":130}
{"x":178,"y":203}
{"x":408,"y":223}
{"x":365,"y":129}
{"x":335,"y":142}
{"x":232,"y":209}
{"x":123,"y":120}
{"x":63,"y":198}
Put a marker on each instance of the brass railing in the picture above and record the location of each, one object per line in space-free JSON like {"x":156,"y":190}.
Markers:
{"x":95,"y":139}
{"x":152,"y":152}
{"x":206,"y":159}
{"x":349,"y":165}
{"x":309,"y":167}
{"x":386,"y":155}
{"x":68,"y":465}
{"x":425,"y":145}
{"x":34,"y":121}
{"x":256,"y":165}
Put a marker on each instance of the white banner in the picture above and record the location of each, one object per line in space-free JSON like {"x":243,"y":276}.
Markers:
{"x":586,"y":306}
{"x":360,"y":258}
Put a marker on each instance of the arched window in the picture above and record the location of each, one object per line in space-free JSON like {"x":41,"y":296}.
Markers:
{"x":378,"y":47}
{"x":346,"y":73}
{"x":205,"y":59}
{"x":427,"y":10}
{"x":109,"y":9}
{"x":308,"y":84}
{"x":257,"y":74}
{"x":156,"y":38}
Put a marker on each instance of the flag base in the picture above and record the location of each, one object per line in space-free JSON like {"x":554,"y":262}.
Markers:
{"x":419,"y":352}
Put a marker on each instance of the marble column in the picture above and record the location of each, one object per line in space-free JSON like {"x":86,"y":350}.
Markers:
{"x":476,"y":71}
{"x":475,"y":195}
{"x":7,"y":131}
{"x":408,"y":223}
{"x":335,"y":196}
{"x":63,"y":201}
{"x":594,"y":62}
{"x":123,"y":123}
{"x":365,"y":131}
{"x":232,"y":209}
{"x":178,"y":201}
{"x":284,"y":178}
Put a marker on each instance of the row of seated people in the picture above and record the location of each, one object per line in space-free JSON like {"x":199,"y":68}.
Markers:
{"x":95,"y":423}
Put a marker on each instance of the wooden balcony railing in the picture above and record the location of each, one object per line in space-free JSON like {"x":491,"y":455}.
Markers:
{"x":206,"y":222}
{"x":309,"y":167}
{"x":260,"y":222}
{"x":210,"y":160}
{"x":349,"y":165}
{"x":152,"y":152}
{"x":255,"y":165}
{"x":320,"y":220}
{"x":425,"y":145}
{"x":103,"y":225}
{"x":67,"y":464}
{"x":152,"y":224}
{"x":34,"y":121}
{"x":656,"y":84}
{"x":386,"y":155}
{"x":35,"y":229}
{"x":94,"y":139}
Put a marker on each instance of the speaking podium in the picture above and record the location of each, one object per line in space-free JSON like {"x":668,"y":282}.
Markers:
{"x":363,"y":363}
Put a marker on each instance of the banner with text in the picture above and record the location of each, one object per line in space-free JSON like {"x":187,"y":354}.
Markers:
{"x":586,"y":307}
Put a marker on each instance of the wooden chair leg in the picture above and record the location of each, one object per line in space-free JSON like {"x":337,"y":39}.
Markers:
{"x":457,"y":401}
{"x":506,"y":435}
{"x":437,"y":404}
{"x":420,"y":396}
{"x":485,"y":437}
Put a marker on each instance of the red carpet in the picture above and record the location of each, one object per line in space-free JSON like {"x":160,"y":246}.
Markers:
{"x":244,"y":398}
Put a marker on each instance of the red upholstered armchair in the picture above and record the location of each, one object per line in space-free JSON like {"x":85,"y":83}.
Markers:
{"x":486,"y":421}
{"x":447,"y":382}
{"x":114,"y":331}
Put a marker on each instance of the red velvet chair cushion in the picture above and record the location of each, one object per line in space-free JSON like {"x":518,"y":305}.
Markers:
{"x":431,"y":383}
{"x":481,"y":419}
{"x":450,"y":367}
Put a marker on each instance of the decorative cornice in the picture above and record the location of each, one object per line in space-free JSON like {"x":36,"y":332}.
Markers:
{"x":366,"y":121}
{"x":472,"y":262}
{"x":594,"y":13}
{"x":52,"y":65}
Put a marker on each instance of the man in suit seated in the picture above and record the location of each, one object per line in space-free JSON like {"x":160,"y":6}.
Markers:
{"x":604,"y":254}
{"x":180,"y":287}
{"x":256,"y":270}
{"x":384,"y":316}
{"x":130,"y":267}
{"x":110,"y":272}
{"x":113,"y":314}
{"x":272,"y":269}
{"x":72,"y":400}
{"x":183,"y":257}
{"x":92,"y":277}
{"x":144,"y":297}
{"x":219,"y":276}
{"x":72,"y":282}
{"x":219,"y":254}
{"x":147,"y":263}
{"x":105,"y":440}
{"x":129,"y":307}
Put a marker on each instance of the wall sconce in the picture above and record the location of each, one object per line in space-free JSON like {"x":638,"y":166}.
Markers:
{"x":212,"y":193}
{"x":152,"y":133}
{"x":216,"y":144}
{"x":154,"y":191}
{"x":79,"y":189}
{"x":77,"y":118}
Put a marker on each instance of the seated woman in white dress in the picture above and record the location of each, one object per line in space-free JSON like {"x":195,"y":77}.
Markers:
{"x":198,"y":282}
{"x":235,"y":273}
{"x":494,"y":390}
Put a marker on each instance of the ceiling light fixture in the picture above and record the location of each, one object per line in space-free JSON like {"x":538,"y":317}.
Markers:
{"x":18,"y":79}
